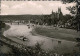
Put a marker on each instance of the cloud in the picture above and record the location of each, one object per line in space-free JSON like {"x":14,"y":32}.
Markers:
{"x":32,"y":3}
{"x":19,"y":6}
{"x":4,"y":6}
{"x":31,"y":7}
{"x":4,"y":9}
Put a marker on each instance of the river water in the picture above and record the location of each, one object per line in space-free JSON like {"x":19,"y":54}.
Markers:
{"x":47,"y":43}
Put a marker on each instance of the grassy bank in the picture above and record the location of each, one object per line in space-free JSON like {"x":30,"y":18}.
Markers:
{"x":66,"y":34}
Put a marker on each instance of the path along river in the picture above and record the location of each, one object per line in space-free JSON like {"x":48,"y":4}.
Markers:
{"x":47,"y":43}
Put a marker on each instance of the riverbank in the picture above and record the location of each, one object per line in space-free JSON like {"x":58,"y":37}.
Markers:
{"x":49,"y":44}
{"x":4,"y":48}
{"x":58,"y":33}
{"x":24,"y":50}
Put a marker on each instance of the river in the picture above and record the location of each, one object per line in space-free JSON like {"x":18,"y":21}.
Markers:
{"x":47,"y":43}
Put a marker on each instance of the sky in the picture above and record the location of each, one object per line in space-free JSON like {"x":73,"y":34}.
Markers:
{"x":33,"y":7}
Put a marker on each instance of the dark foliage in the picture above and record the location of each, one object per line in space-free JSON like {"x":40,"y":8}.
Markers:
{"x":67,"y":1}
{"x":2,"y":25}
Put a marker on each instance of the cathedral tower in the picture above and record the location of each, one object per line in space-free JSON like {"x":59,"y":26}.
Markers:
{"x":60,"y":14}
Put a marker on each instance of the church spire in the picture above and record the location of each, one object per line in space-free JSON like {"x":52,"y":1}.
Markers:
{"x":59,"y":10}
{"x":52,"y":12}
{"x":60,"y":14}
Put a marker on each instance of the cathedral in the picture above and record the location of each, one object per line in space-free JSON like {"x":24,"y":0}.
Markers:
{"x":54,"y":17}
{"x":57,"y":14}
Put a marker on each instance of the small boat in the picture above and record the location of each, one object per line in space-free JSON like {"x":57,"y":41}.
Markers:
{"x":23,"y":38}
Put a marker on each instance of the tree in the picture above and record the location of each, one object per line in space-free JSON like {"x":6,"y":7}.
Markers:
{"x":2,"y":25}
{"x":67,"y":1}
{"x":71,"y":9}
{"x":74,"y":10}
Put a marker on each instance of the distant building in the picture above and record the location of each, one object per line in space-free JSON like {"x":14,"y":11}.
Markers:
{"x":57,"y":14}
